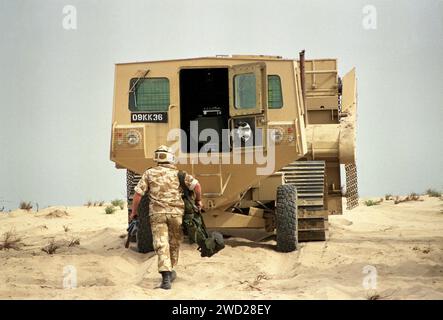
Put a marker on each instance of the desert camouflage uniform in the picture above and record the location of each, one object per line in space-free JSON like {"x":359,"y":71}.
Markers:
{"x":166,"y":210}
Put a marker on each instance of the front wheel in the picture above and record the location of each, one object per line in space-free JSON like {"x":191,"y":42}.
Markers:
{"x":286,"y":218}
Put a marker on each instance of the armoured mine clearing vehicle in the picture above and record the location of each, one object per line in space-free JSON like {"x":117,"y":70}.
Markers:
{"x":298,"y":115}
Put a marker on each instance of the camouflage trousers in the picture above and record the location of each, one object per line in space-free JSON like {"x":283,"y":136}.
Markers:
{"x":166,"y":236}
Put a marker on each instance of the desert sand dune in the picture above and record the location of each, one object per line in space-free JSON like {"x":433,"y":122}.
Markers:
{"x":404,"y":242}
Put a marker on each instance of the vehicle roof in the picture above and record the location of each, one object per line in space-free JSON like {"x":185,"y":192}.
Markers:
{"x":219,"y":57}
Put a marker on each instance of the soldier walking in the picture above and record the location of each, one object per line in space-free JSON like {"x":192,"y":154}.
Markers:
{"x":166,"y":209}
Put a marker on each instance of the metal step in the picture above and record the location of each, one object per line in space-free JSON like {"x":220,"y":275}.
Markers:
{"x":311,"y":229}
{"x":309,"y":179}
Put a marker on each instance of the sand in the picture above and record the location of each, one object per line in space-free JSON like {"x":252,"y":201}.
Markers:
{"x":403,"y":243}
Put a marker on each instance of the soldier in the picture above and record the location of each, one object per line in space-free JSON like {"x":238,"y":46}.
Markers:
{"x":166,"y":209}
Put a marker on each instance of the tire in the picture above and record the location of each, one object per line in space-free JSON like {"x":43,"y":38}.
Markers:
{"x":144,"y":232}
{"x":131,"y":181}
{"x":286,"y":218}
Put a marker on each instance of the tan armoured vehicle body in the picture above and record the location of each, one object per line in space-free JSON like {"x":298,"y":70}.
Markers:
{"x":300,"y":114}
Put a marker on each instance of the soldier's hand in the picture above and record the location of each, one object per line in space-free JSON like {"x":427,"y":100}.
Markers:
{"x":199,"y":204}
{"x":132,"y":217}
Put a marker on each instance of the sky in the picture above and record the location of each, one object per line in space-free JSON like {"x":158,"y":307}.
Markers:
{"x":56,"y":84}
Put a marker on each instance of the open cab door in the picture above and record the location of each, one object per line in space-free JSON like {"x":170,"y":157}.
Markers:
{"x":348,"y":118}
{"x":347,"y":144}
{"x":248,"y":105}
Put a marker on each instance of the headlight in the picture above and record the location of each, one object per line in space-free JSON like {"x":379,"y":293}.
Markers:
{"x":133,"y":137}
{"x":277,"y":135}
{"x":244,"y":131}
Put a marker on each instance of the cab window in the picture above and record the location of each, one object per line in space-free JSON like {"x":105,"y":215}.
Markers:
{"x":245,"y":91}
{"x":149,"y":94}
{"x":275,"y":98}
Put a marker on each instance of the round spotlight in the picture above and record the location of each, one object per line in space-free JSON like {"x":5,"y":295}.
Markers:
{"x":133,"y":137}
{"x":277,"y":135}
{"x":244,"y":131}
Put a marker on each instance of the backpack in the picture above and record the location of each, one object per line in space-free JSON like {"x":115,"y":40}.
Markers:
{"x":194,"y":226}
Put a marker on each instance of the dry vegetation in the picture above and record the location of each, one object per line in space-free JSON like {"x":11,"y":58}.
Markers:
{"x":118,"y":203}
{"x":25,"y":205}
{"x":74,"y":242}
{"x":369,"y":203}
{"x":433,"y":193}
{"x":10,"y":240}
{"x":374,"y":295}
{"x":424,"y":250}
{"x":255,"y":285}
{"x":411,"y":197}
{"x":51,"y":247}
{"x":94,"y":204}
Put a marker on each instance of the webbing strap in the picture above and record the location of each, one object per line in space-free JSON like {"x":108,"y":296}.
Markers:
{"x":181,"y":179}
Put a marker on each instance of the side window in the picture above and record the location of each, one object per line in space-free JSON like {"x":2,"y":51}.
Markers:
{"x":149,"y":94}
{"x":245,"y":88}
{"x":275,"y":98}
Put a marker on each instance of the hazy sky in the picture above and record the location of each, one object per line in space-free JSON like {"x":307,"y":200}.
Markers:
{"x":56,"y":85}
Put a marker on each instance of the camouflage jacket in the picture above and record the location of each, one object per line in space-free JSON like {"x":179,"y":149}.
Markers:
{"x":164,"y":190}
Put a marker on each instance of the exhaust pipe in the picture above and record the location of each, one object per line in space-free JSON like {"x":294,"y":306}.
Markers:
{"x":303,"y":83}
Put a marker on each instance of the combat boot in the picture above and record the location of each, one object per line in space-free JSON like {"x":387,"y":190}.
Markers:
{"x":173,"y":275}
{"x":166,"y":280}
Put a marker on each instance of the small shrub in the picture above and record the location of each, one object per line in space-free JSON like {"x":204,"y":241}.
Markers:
{"x":25,"y":205}
{"x":433,"y":193}
{"x":374,"y":296}
{"x":118,"y":203}
{"x":10,"y":240}
{"x":88,"y":204}
{"x":413,"y":195}
{"x":388,"y":196}
{"x":370,"y":203}
{"x":74,"y":242}
{"x":66,"y":228}
{"x":51,"y":247}
{"x":110,"y":209}
{"x":101,"y":203}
